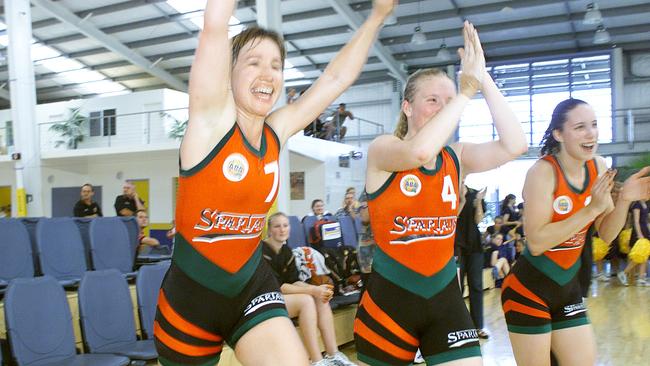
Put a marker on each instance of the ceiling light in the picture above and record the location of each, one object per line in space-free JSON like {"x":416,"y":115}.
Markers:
{"x":593,"y":15}
{"x":601,"y":36}
{"x":391,"y":19}
{"x":418,"y":36}
{"x":443,"y":53}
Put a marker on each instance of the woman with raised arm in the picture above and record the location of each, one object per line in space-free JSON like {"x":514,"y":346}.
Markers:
{"x":217,"y":288}
{"x":566,"y":191}
{"x":413,"y":298}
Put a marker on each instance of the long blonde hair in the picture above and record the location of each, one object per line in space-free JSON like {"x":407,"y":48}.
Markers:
{"x":409,"y":92}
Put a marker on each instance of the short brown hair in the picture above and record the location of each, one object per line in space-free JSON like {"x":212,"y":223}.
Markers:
{"x":254,"y":34}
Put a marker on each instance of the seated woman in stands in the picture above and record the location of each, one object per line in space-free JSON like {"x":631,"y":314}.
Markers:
{"x":308,"y":302}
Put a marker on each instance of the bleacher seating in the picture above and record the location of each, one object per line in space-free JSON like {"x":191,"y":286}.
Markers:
{"x":16,"y":260}
{"x":110,"y":247}
{"x":308,"y":223}
{"x":106,"y":313}
{"x":61,"y":250}
{"x":39,"y":326}
{"x":348,"y":232}
{"x":297,"y":234}
{"x":147,"y":285}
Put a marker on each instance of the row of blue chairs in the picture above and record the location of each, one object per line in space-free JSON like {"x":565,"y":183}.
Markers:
{"x":39,"y":322}
{"x":299,"y":234}
{"x":65,"y":248}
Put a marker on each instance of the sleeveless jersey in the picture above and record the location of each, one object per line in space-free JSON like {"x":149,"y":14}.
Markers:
{"x":413,"y":217}
{"x":562,"y":262}
{"x":221,"y":210}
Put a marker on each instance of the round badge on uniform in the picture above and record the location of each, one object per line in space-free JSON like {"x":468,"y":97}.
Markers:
{"x":587,"y":200}
{"x":410,"y":185}
{"x":563,"y":205}
{"x":235,"y":167}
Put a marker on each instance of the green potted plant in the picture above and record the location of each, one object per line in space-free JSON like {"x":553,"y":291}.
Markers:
{"x":71,"y":130}
{"x":177,"y":128}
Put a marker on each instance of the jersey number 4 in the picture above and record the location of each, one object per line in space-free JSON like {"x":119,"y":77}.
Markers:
{"x":272,"y":168}
{"x":448,"y":194}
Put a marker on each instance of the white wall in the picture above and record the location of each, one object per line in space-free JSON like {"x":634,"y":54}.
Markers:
{"x":329,"y":181}
{"x":314,"y":182}
{"x":159,"y":169}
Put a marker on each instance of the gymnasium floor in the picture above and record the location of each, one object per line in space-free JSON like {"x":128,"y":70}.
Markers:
{"x":620,"y":316}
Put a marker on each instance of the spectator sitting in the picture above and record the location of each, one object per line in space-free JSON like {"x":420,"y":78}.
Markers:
{"x":128,"y":203}
{"x":498,"y":227}
{"x":338,"y":118}
{"x":308,"y":302}
{"x":500,"y":257}
{"x":145,"y":242}
{"x":318,"y":209}
{"x":86,"y":207}
{"x":350,"y":206}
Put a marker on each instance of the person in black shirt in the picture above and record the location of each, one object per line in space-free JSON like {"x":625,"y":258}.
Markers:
{"x":508,"y":210}
{"x":308,"y":302}
{"x":470,"y":250}
{"x":86,"y":207}
{"x":128,"y":203}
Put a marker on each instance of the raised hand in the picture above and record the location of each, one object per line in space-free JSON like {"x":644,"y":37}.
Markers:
{"x":384,"y":7}
{"x":637,"y":186}
{"x":601,"y":192}
{"x":472,"y":62}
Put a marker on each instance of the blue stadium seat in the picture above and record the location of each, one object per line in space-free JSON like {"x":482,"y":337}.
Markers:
{"x":61,"y":250}
{"x":106,"y":314}
{"x":109,"y":245}
{"x":297,"y":233}
{"x":39,"y":326}
{"x":83,"y":223}
{"x":348,"y":231}
{"x":30,"y":223}
{"x":134,"y":231}
{"x":15,"y":252}
{"x":358,"y":225}
{"x":147,"y":286}
{"x":308,"y":223}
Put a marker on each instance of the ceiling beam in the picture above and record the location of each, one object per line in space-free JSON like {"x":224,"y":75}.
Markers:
{"x":109,"y":42}
{"x":355,"y":21}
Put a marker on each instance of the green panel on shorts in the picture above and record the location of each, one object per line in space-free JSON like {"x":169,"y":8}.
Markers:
{"x":402,"y":276}
{"x":165,"y":362}
{"x":208,"y":274}
{"x":558,"y":274}
{"x":273,"y":313}
{"x":372,"y":362}
{"x":522,"y":329}
{"x":452,"y":355}
{"x":570,"y":323}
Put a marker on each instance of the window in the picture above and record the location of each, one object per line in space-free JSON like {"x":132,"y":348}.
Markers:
{"x":103,"y":123}
{"x":534,"y":88}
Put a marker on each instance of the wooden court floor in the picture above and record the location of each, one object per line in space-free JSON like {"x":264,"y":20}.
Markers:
{"x":620,"y":317}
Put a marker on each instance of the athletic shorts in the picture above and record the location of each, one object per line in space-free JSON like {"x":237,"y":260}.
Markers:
{"x":392,"y":323}
{"x":192,"y":322}
{"x":535,"y":304}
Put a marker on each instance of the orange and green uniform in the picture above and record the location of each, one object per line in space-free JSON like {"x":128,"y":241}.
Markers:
{"x":218,"y":287}
{"x":413,"y":297}
{"x":542,"y":293}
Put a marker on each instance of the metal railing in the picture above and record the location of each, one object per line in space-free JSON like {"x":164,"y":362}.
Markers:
{"x":166,"y":127}
{"x":354,"y":130}
{"x":161,"y":127}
